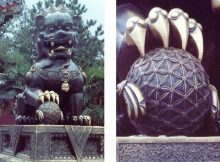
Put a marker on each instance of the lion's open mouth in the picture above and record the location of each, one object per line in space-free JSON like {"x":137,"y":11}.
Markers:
{"x":59,"y":46}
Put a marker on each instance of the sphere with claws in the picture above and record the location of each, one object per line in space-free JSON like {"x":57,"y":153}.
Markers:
{"x":166,"y":89}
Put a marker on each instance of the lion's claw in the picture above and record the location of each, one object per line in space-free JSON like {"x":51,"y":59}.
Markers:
{"x":173,"y":29}
{"x":81,"y":120}
{"x":40,"y":115}
{"x":87,"y":120}
{"x":61,"y":116}
{"x":49,"y":96}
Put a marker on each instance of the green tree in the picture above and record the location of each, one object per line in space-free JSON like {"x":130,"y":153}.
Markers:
{"x":16,"y":48}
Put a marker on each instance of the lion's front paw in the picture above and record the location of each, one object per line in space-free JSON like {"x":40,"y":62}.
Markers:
{"x":61,"y":117}
{"x":49,"y":96}
{"x":163,"y":29}
{"x":49,"y":113}
{"x":40,"y":115}
{"x":82,"y":120}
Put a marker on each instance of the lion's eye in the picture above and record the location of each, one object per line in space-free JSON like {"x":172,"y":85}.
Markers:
{"x":51,"y":29}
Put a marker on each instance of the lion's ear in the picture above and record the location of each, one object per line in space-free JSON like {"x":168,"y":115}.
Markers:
{"x":39,"y":20}
{"x":76,"y":20}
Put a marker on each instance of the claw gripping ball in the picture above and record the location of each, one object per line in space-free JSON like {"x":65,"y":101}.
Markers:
{"x":51,"y":111}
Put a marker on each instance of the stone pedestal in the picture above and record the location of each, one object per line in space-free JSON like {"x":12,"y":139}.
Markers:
{"x":51,"y":143}
{"x":168,"y":149}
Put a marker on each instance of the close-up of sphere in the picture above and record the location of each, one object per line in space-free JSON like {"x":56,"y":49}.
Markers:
{"x":176,"y":91}
{"x":51,"y":111}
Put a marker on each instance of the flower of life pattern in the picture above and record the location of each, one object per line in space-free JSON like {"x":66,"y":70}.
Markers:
{"x":176,"y":90}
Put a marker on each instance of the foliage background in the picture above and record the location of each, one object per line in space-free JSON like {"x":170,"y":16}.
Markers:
{"x":16,"y":51}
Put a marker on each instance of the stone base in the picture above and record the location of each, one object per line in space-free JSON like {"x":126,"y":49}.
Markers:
{"x":168,"y":149}
{"x":7,"y":158}
{"x":60,"y":143}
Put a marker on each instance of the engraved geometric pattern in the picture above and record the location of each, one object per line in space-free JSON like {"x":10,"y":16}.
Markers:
{"x":176,"y":90}
{"x":91,"y":148}
{"x":60,"y":147}
{"x":169,"y":152}
{"x":51,"y":111}
{"x":78,"y":137}
{"x":52,"y":143}
{"x":14,"y":137}
{"x":43,"y":146}
{"x":56,"y":75}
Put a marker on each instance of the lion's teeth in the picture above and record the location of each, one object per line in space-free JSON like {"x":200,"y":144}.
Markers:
{"x":52,"y":52}
{"x":69,"y":51}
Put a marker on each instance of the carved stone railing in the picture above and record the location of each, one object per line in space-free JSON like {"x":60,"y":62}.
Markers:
{"x":58,"y":142}
{"x":167,"y":149}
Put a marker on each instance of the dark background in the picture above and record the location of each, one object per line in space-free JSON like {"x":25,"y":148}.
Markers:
{"x":201,"y":11}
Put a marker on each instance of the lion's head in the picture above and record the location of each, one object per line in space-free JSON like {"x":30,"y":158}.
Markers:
{"x":55,"y":33}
